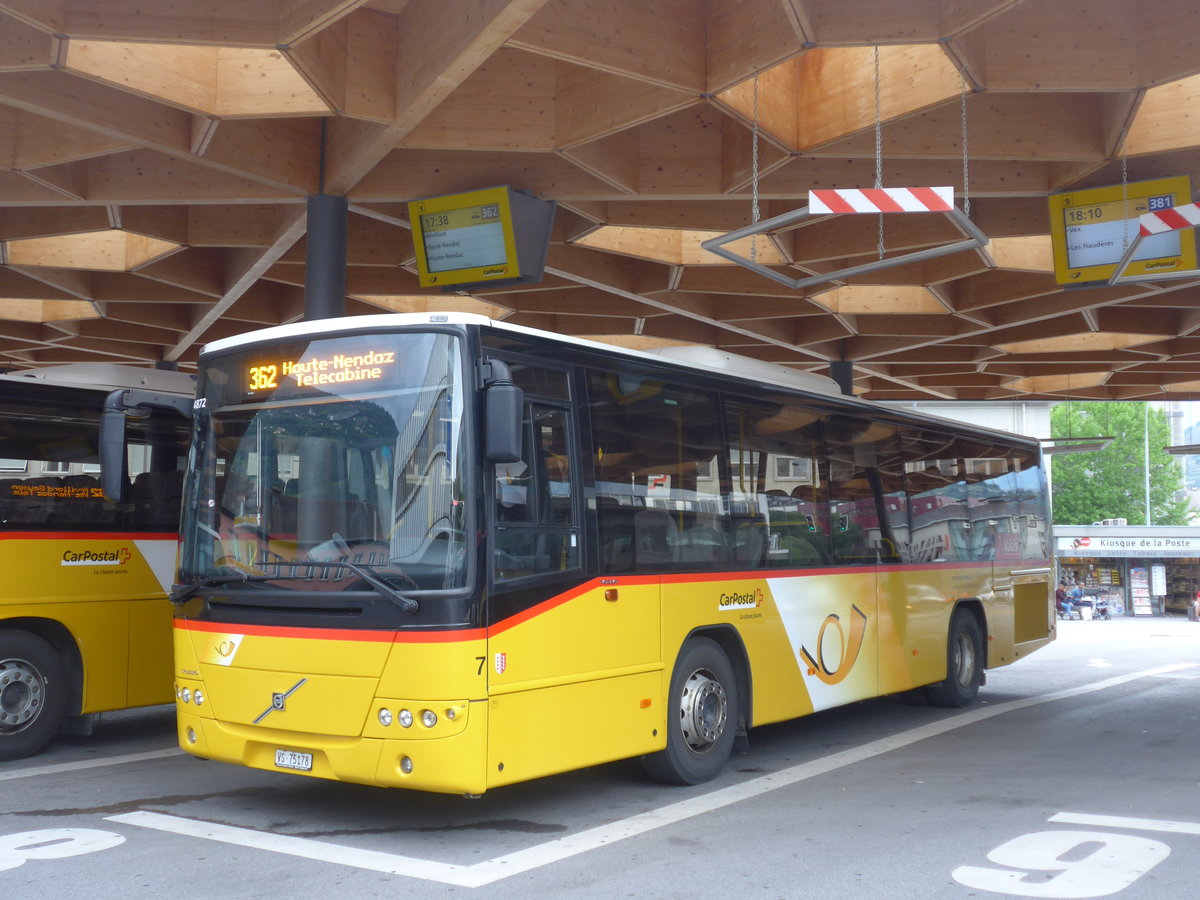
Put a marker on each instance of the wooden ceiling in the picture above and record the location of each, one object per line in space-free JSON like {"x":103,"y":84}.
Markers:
{"x":156,"y":157}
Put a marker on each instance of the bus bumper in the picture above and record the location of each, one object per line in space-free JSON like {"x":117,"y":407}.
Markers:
{"x":453,"y":764}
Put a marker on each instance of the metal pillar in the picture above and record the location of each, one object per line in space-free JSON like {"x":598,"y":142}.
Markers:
{"x":325,"y":257}
{"x":842,"y":372}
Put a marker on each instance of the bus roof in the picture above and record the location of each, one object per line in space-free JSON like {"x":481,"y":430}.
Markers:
{"x":694,"y":356}
{"x":107,"y":377}
{"x":697,"y":357}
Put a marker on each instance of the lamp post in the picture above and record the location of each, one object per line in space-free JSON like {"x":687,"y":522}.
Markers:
{"x":1146,"y":452}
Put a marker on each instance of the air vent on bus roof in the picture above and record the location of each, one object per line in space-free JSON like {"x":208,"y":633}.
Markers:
{"x":746,"y":367}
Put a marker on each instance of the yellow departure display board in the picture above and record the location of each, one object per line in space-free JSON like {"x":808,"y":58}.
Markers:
{"x":485,"y":238}
{"x":1092,"y":229}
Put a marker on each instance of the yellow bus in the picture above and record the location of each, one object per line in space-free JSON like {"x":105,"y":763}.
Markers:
{"x":85,"y":625}
{"x":444,"y":553}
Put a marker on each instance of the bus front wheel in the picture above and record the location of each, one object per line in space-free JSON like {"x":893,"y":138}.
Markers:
{"x":964,"y":663}
{"x":32,"y":694}
{"x":702,"y":716}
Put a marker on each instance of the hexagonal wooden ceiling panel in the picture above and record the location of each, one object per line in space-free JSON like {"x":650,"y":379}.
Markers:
{"x":156,"y":156}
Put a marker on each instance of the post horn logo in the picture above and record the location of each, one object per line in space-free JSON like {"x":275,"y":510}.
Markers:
{"x":850,"y":649}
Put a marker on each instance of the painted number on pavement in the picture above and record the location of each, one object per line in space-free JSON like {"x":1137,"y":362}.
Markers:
{"x":53,"y":843}
{"x":1065,"y":864}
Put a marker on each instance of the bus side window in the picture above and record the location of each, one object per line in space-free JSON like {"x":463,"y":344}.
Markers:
{"x":776,"y":492}
{"x":867,"y":507}
{"x":655,"y":451}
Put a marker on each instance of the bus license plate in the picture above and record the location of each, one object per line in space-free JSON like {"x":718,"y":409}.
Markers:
{"x":290,"y":759}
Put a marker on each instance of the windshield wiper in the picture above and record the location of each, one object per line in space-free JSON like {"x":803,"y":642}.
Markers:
{"x":181,"y":592}
{"x":405,"y":603}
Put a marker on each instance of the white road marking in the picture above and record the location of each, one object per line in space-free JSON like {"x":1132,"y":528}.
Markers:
{"x":1070,"y":818}
{"x":56,"y":768}
{"x":492,"y":870}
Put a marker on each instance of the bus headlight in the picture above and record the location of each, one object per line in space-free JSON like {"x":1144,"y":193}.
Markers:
{"x":406,"y":765}
{"x":428,"y":718}
{"x":198,"y":696}
{"x":406,"y":718}
{"x":185,"y":695}
{"x":385,"y":717}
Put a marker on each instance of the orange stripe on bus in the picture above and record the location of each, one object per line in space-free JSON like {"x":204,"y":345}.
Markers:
{"x":550,"y":603}
{"x":334,"y":634}
{"x":88,"y":536}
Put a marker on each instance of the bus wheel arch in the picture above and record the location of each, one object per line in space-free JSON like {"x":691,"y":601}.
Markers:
{"x":36,"y":691}
{"x":966,"y":657}
{"x":708,"y":693}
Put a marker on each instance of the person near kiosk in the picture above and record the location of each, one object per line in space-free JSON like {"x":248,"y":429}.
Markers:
{"x":1062,"y":600}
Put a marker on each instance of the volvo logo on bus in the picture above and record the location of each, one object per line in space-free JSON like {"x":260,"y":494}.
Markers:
{"x":279,"y":701}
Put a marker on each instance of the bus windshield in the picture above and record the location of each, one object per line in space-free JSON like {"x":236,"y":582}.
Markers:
{"x":330,"y":465}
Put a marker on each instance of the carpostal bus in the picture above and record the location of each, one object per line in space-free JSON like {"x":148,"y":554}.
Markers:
{"x":85,"y":625}
{"x":444,"y":553}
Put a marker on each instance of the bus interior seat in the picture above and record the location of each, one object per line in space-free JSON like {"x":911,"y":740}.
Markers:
{"x":32,"y":509}
{"x":87,"y":507}
{"x":156,"y":497}
{"x":750,"y":540}
{"x":8,"y":502}
{"x":655,"y":536}
{"x":615,"y":526}
{"x":702,"y":544}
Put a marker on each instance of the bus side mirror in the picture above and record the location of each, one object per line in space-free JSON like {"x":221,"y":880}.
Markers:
{"x":113,"y":461}
{"x":503,"y":404}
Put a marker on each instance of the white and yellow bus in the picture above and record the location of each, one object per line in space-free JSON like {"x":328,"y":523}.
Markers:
{"x":443,"y":553}
{"x":85,"y":625}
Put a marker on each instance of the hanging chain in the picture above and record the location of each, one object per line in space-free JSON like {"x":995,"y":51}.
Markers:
{"x":754,"y":211}
{"x":878,"y":145}
{"x":965,"y":155}
{"x":1124,"y":205}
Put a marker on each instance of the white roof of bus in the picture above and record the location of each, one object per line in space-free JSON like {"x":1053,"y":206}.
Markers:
{"x":108,"y":376}
{"x":695,"y":356}
{"x":700,"y":358}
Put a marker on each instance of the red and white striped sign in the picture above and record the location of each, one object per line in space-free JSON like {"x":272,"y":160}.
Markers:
{"x":1171,"y":219}
{"x":881,"y":200}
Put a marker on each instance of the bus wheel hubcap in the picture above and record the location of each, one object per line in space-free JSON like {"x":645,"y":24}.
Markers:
{"x":964,"y":657}
{"x":21,"y":694}
{"x":702,"y":710}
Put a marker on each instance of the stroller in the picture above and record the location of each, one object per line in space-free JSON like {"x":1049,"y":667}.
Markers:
{"x":1102,"y":607}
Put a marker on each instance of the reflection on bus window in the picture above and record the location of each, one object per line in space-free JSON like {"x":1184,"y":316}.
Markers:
{"x":655,"y":451}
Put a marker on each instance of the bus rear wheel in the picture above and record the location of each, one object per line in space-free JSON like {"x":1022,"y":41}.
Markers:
{"x":32,"y":694}
{"x":964,"y":663}
{"x":702,"y":716}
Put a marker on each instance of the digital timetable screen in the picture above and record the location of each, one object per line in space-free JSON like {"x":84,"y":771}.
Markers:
{"x":477,"y":239}
{"x":1092,"y":229}
{"x":465,"y":238}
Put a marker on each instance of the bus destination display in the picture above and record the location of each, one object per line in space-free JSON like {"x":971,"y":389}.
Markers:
{"x":320,"y":371}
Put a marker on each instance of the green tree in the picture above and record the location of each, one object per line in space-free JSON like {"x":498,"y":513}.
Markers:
{"x":1111,"y":483}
